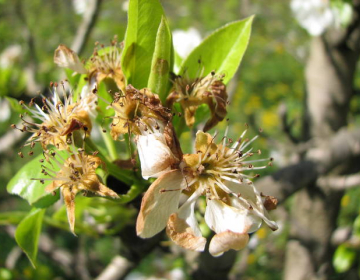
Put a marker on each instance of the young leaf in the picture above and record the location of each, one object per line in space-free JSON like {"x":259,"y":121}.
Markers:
{"x":28,"y":232}
{"x":222,"y":51}
{"x":144,"y":18}
{"x":161,"y":61}
{"x":33,"y":191}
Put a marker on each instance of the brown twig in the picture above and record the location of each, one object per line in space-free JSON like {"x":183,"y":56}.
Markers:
{"x":339,"y":182}
{"x":84,"y":30}
{"x":338,"y":150}
{"x":117,"y":269}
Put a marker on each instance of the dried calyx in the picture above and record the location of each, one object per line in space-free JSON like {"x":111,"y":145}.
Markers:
{"x":191,"y":93}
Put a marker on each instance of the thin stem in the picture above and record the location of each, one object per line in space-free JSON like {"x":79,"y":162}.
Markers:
{"x":110,"y":145}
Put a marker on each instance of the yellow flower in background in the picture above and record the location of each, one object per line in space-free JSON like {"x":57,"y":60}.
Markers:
{"x":345,"y":200}
{"x":270,"y":119}
{"x":253,"y":104}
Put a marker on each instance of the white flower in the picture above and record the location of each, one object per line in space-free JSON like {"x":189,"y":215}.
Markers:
{"x":314,"y":15}
{"x":234,"y":206}
{"x":5,"y":111}
{"x":10,"y":55}
{"x":186,"y":41}
{"x":80,"y":6}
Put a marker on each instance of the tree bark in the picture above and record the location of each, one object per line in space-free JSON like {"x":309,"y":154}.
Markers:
{"x":329,"y":77}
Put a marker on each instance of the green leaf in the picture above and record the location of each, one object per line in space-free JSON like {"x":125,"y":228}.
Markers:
{"x":162,"y":61}
{"x":343,"y":258}
{"x":14,"y":104}
{"x":222,"y":51}
{"x":144,"y":18}
{"x":33,"y":191}
{"x":28,"y":232}
{"x":177,"y":62}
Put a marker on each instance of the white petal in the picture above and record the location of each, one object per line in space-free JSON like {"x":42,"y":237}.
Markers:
{"x":155,"y":156}
{"x":247,"y":191}
{"x":254,"y":220}
{"x":159,"y":202}
{"x":187,"y":213}
{"x":221,"y":217}
{"x":65,"y":57}
{"x":227,"y":240}
{"x":250,"y":194}
{"x":88,"y":100}
{"x":183,"y":235}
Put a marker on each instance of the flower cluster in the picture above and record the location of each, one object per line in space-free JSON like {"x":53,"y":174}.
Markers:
{"x":216,"y":172}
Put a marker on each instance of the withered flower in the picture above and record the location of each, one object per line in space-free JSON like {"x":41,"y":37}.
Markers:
{"x":77,"y":173}
{"x":191,"y":94}
{"x":67,"y":58}
{"x":58,"y":119}
{"x":234,"y":206}
{"x":105,"y":63}
{"x":140,"y":112}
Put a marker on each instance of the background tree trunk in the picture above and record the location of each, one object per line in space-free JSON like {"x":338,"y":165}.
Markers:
{"x":329,"y":77}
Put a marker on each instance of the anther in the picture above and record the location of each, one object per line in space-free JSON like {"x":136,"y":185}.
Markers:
{"x":21,"y":154}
